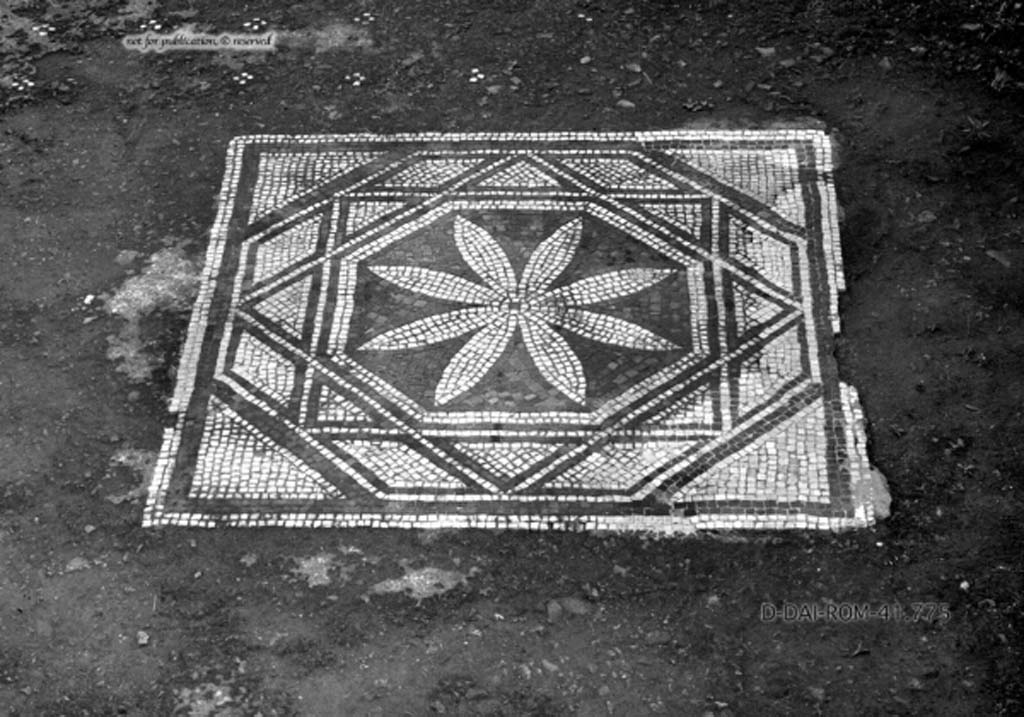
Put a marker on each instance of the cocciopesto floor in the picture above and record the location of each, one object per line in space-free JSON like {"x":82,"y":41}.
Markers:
{"x":607,"y":331}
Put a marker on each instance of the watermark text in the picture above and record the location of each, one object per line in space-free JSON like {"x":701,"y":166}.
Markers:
{"x":190,"y":40}
{"x":854,"y":612}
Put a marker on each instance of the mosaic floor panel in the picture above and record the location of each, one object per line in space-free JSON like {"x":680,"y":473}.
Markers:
{"x":604,"y":331}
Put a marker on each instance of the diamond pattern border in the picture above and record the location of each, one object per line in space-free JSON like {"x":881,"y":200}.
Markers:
{"x":283,"y":420}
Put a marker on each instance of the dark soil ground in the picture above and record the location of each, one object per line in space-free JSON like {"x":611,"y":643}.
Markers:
{"x":111,"y":151}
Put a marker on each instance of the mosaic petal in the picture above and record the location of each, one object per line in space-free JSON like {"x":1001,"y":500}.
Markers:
{"x":438,"y":284}
{"x":484,"y":256}
{"x":555,"y":360}
{"x":551,"y":257}
{"x":610,"y":285}
{"x":611,"y":330}
{"x":474,"y":360}
{"x":431,"y":330}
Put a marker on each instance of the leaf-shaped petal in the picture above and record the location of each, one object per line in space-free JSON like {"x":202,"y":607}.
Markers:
{"x":610,"y":285}
{"x":437,"y":284}
{"x":484,"y":256}
{"x":472,"y":362}
{"x":555,"y":359}
{"x":431,"y":330}
{"x":551,"y":257}
{"x":612,"y":330}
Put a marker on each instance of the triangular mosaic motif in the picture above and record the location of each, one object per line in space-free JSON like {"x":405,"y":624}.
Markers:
{"x":752,"y":309}
{"x":270,"y":471}
{"x":408,"y":470}
{"x":508,"y":460}
{"x":585,"y":331}
{"x":769,"y":257}
{"x":696,"y":412}
{"x":428,"y":173}
{"x":770,"y":469}
{"x":771,"y":368}
{"x":334,"y":408}
{"x":769,"y":176}
{"x":364,"y":213}
{"x":264,"y":368}
{"x":521,"y":175}
{"x":286,"y":308}
{"x":618,"y":174}
{"x":281,"y":251}
{"x":283,"y":176}
{"x":689,"y":217}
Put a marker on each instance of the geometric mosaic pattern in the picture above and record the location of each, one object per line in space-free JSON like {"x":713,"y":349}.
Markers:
{"x":597,"y":331}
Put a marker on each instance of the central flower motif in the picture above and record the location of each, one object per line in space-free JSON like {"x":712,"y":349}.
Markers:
{"x":505,"y":302}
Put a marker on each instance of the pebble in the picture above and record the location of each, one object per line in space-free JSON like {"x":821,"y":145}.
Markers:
{"x":574,"y":606}
{"x":126,"y":257}
{"x":554,"y":610}
{"x":76,"y":564}
{"x":657,"y":637}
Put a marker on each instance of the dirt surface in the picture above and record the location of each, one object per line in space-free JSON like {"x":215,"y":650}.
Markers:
{"x":111,"y":163}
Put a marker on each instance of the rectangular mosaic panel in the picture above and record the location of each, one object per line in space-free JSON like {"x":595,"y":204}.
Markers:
{"x":598,"y":331}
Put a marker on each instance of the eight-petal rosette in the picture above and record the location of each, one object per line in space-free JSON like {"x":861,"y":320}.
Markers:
{"x":502,"y":303}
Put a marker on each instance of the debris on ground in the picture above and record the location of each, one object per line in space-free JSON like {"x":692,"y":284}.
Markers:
{"x":206,"y":700}
{"x":77,"y":564}
{"x":335,"y":36}
{"x":422,"y":583}
{"x":315,"y":570}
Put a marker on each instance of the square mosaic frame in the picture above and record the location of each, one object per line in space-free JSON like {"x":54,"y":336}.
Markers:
{"x":281,"y":420}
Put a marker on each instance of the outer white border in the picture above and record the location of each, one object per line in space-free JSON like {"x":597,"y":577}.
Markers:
{"x":861,"y":486}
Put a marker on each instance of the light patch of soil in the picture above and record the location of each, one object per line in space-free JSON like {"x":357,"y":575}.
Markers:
{"x":169,"y":283}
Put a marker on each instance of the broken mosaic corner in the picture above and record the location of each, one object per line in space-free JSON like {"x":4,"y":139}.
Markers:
{"x":870,"y":487}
